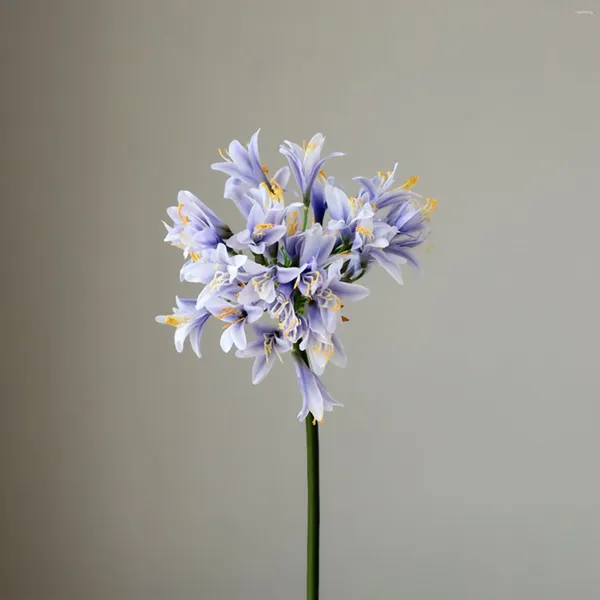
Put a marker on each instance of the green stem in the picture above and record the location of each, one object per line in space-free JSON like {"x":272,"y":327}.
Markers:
{"x":305,"y":217}
{"x":312,"y":478}
{"x":312,"y":538}
{"x":313,"y":504}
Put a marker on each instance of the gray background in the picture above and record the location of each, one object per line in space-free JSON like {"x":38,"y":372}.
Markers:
{"x":465,"y":463}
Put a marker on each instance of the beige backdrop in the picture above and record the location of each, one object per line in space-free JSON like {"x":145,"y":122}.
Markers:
{"x":465,"y":463}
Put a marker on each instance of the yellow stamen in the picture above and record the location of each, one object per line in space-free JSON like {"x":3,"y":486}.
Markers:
{"x":262,"y":227}
{"x":304,"y":145}
{"x":218,"y":280}
{"x":384,"y":174}
{"x":227,"y":312}
{"x":326,"y":349}
{"x":224,"y":155}
{"x":274,"y":189}
{"x":313,"y":282}
{"x":176,"y":320}
{"x":323,"y":174}
{"x":332,"y":302}
{"x":277,"y":192}
{"x":428,"y":207}
{"x":185,"y":220}
{"x":355,"y":204}
{"x":265,"y":169}
{"x":314,"y":422}
{"x":293,"y":223}
{"x":233,"y":322}
{"x":364,"y":231}
{"x":410,"y":182}
{"x":194,"y":256}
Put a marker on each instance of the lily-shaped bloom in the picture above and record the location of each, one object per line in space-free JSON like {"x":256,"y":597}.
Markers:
{"x":263,"y":229}
{"x":379,"y":190}
{"x":216,"y":268}
{"x":188,"y":321}
{"x":321,"y":348}
{"x":267,"y":195}
{"x":410,"y":221}
{"x":347,"y":215}
{"x":411,"y":217}
{"x":306,"y":162}
{"x":312,"y":251}
{"x":269,"y":345}
{"x":235,"y":316}
{"x":322,"y":309}
{"x":246,"y":172}
{"x":315,"y":398}
{"x":195,"y":226}
{"x":380,"y":244}
{"x":242,"y":163}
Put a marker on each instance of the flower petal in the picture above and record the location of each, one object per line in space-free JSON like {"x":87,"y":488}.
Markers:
{"x":261,"y":367}
{"x":238,"y":334}
{"x":349,"y":291}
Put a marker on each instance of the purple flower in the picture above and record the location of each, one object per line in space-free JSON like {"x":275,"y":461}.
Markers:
{"x":315,"y":398}
{"x":284,"y":265}
{"x":305,"y":163}
{"x":235,"y":316}
{"x":270,"y":344}
{"x":263,"y":229}
{"x":195,"y":226}
{"x":217,"y":269}
{"x":188,"y":321}
{"x":321,"y":348}
{"x":378,"y":190}
{"x":241,"y":163}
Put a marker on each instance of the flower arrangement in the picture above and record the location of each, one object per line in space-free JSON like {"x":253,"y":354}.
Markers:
{"x":286,"y":275}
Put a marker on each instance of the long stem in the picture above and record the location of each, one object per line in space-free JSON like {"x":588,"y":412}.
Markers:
{"x":312,"y":538}
{"x":312,"y":477}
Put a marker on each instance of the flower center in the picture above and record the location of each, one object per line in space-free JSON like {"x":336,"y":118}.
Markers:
{"x":176,"y":320}
{"x":365,"y":232}
{"x":262,"y":228}
{"x":324,"y":348}
{"x":218,"y":280}
{"x":308,"y":283}
{"x":355,"y":204}
{"x":274,"y":189}
{"x":329,"y":300}
{"x":260,"y":282}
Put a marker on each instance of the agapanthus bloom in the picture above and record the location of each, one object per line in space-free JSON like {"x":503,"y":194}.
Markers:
{"x":284,"y":275}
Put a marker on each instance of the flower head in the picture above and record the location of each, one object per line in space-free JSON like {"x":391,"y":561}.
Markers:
{"x":286,"y":275}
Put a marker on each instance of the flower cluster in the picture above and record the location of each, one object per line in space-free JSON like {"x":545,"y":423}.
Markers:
{"x":284,"y":275}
